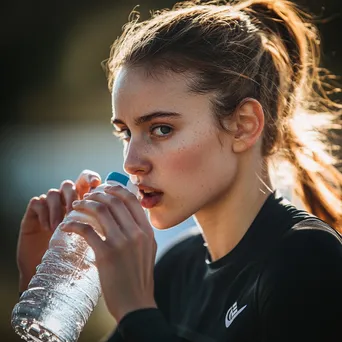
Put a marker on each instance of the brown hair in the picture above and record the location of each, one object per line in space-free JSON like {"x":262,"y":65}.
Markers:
{"x":265,"y":49}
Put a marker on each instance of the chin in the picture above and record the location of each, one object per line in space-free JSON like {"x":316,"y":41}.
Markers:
{"x":163,"y":222}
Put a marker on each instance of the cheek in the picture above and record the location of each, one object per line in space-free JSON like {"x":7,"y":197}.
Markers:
{"x":186,"y":158}
{"x":190,"y":163}
{"x":198,"y":165}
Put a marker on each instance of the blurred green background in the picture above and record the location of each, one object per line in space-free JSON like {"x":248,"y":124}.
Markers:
{"x":56,"y":108}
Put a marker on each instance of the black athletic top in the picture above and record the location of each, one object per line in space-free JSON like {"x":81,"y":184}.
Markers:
{"x":281,"y":283}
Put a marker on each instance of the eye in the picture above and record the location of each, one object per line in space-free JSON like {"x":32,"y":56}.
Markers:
{"x":123,"y":134}
{"x":162,"y":130}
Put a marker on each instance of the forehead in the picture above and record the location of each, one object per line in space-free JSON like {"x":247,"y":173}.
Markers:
{"x":136,"y":79}
{"x":135,"y":91}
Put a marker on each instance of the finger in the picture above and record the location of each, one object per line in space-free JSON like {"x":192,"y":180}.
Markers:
{"x":69,"y":194}
{"x":102,"y":214}
{"x":55,"y":207}
{"x":86,"y":180}
{"x":119,"y":212}
{"x":132,"y":204}
{"x":87,"y":232}
{"x":132,"y":219}
{"x":37,"y":209}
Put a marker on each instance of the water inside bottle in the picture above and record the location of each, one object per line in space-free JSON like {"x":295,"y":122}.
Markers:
{"x":50,"y":309}
{"x":31,"y":330}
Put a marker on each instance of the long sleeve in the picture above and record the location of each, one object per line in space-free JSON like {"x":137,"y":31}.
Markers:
{"x":152,"y":325}
{"x":114,"y":337}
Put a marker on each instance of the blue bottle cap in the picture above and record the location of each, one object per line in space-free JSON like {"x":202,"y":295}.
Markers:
{"x":117,"y":177}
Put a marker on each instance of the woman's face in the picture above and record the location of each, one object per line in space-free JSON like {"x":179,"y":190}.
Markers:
{"x":171,"y":144}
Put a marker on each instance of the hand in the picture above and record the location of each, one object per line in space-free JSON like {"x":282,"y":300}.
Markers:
{"x":125,"y":254}
{"x":43,"y":214}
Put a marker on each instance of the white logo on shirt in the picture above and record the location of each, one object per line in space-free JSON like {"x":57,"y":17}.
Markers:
{"x":232,"y":314}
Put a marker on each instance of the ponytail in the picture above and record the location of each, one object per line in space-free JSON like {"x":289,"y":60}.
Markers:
{"x":317,"y":182}
{"x":304,"y":105}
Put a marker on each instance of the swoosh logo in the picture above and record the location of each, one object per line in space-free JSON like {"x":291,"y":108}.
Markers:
{"x":232,"y":313}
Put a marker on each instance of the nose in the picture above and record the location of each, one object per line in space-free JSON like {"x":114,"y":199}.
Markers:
{"x":136,"y":161}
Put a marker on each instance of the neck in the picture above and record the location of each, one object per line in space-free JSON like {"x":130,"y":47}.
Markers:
{"x":225,"y":222}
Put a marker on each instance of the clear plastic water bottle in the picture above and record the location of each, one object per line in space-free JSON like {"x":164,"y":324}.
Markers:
{"x":65,"y":289}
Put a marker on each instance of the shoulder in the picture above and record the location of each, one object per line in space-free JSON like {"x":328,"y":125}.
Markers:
{"x":310,"y":243}
{"x":299,"y":288}
{"x":307,"y":259}
{"x":310,"y":237}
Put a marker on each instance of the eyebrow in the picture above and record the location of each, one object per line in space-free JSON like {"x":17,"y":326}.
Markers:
{"x":148,"y":117}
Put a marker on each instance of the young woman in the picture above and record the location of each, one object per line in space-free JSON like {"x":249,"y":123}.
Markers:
{"x":207,"y":98}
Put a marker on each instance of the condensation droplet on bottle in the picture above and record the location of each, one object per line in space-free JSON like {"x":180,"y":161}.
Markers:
{"x":23,"y":323}
{"x":34,"y":327}
{"x":45,"y":336}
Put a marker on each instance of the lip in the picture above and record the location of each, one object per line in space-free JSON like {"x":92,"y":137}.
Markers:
{"x":143,"y":187}
{"x":149,"y":201}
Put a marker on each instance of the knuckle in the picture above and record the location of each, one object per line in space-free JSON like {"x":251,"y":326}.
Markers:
{"x":53,"y":193}
{"x":114,"y":201}
{"x":37,"y":201}
{"x":67,"y":184}
{"x":137,"y":236}
{"x":105,"y":256}
{"x":119,"y":245}
{"x":130,"y":197}
{"x":101,"y":208}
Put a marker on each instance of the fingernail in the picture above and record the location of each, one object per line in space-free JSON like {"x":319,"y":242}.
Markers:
{"x":86,"y":194}
{"x":75,"y":203}
{"x":93,"y":179}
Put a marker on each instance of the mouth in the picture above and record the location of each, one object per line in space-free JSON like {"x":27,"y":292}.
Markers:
{"x":149,"y":197}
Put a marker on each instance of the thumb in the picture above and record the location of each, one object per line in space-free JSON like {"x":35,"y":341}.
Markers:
{"x":87,"y":180}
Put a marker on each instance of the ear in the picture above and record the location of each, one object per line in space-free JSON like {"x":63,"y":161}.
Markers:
{"x":248,"y":125}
